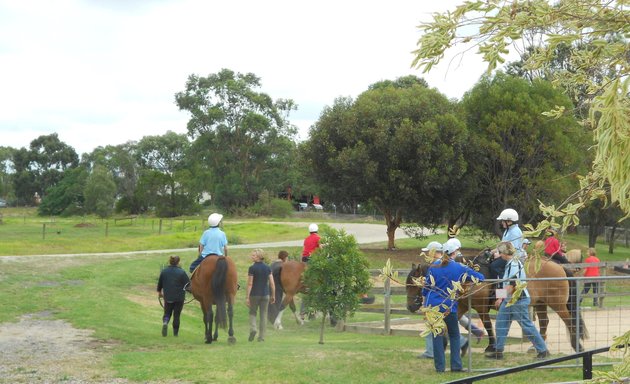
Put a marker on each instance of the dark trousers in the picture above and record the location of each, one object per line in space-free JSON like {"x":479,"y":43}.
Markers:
{"x":173,"y":309}
{"x":587,"y":287}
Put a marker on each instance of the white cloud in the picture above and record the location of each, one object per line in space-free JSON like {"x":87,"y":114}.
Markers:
{"x":100,"y":73}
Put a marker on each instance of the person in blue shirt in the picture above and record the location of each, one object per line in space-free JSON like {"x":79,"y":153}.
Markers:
{"x":436,"y":295}
{"x":464,"y":321}
{"x":260,"y":292}
{"x":213,"y":241}
{"x":514,"y":270}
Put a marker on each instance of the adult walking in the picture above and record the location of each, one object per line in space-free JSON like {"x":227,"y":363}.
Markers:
{"x":170,"y":286}
{"x":437,"y":294}
{"x":260,"y":292}
{"x":464,"y":321}
{"x":516,"y":312}
{"x":591,"y":271}
{"x":276,"y":268}
{"x":213,"y":241}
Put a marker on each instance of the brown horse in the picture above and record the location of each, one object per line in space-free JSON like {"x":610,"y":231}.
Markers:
{"x":291,"y":283}
{"x":552,"y":293}
{"x":215,"y":283}
{"x":479,"y":299}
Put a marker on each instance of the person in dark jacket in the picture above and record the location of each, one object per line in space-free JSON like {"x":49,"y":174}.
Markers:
{"x":170,"y":286}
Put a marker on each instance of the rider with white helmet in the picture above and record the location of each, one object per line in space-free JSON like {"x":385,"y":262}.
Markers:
{"x":311,"y":243}
{"x":511,"y":233}
{"x":213,"y":241}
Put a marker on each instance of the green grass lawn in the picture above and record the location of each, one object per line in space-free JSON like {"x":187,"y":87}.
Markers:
{"x":115,"y":296}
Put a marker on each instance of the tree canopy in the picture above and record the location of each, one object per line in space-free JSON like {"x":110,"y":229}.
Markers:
{"x":523,"y":156}
{"x":241,"y":134}
{"x":495,"y":27}
{"x":397,"y":146}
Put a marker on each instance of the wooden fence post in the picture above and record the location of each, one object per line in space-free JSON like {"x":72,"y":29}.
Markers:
{"x":44,"y":231}
{"x":160,"y":230}
{"x":387,"y":305}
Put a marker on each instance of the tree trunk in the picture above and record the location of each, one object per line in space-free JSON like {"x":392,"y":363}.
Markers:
{"x":393,"y":222}
{"x":611,"y":242}
{"x":321,"y":330}
{"x":592,"y":234}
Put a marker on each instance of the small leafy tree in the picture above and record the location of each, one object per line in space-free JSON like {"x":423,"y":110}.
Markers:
{"x":336,"y":275}
{"x":100,"y":192}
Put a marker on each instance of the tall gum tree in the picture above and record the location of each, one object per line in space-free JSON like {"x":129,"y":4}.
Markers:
{"x":237,"y":132}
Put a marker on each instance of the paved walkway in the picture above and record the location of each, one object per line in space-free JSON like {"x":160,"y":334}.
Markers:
{"x":363,"y":233}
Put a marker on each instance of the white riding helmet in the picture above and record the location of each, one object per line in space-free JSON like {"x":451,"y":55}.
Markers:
{"x":313,"y":228}
{"x":452,"y":245}
{"x":433,"y":245}
{"x":508,"y":215}
{"x":214,"y":219}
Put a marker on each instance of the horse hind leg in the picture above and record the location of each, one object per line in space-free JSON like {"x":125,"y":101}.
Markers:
{"x":216,"y":327}
{"x":298,"y":318}
{"x":543,"y":319}
{"x":487,"y":324}
{"x":230,"y":313}
{"x":208,"y":319}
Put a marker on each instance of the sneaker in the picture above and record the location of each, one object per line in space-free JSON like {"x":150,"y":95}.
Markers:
{"x":164,"y":330}
{"x":543,"y":355}
{"x":424,"y":356}
{"x":252,"y":334}
{"x":497,"y":355}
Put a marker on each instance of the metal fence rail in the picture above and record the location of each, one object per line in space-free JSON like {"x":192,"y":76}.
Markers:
{"x":604,"y":321}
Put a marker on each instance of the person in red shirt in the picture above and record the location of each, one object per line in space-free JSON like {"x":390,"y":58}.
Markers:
{"x":591,"y":272}
{"x":311,"y":243}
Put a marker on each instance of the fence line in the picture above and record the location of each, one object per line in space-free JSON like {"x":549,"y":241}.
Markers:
{"x":602,"y":321}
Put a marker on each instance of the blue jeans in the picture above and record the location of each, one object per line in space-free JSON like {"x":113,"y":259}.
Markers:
{"x":517,"y":312}
{"x":439,"y":359}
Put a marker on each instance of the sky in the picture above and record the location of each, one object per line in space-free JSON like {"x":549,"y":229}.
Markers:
{"x":105,"y":72}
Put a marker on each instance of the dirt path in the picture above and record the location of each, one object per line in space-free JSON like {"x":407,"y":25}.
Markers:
{"x":38,"y":349}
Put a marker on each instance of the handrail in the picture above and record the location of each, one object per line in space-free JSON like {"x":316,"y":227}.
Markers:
{"x":587,"y":366}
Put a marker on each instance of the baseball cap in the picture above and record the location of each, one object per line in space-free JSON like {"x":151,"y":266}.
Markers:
{"x":433,"y":245}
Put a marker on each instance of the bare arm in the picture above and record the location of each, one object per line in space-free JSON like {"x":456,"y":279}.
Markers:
{"x":272,"y":287}
{"x":250,"y":283}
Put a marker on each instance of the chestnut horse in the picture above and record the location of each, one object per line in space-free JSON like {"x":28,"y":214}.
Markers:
{"x":552,"y":293}
{"x":291,"y":283}
{"x":214,"y":282}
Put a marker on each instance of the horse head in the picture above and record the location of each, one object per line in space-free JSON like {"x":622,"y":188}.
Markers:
{"x":414,"y":292}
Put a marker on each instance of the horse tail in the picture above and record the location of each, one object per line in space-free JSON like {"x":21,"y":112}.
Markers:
{"x":574,"y":309}
{"x":218,"y":289}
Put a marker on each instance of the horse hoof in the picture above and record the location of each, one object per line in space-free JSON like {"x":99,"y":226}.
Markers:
{"x":278,"y":327}
{"x":231,"y":340}
{"x":208,"y":341}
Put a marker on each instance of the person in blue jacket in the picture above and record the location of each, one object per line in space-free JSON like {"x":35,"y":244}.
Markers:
{"x":437,"y":295}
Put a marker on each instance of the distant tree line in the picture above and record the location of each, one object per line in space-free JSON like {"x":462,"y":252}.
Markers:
{"x":400,"y":147}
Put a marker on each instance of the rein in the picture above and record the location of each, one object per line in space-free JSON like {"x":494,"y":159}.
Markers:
{"x":185,"y":302}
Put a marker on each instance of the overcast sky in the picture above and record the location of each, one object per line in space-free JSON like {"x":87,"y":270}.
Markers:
{"x":101,"y":72}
